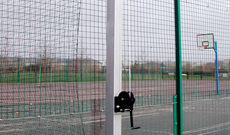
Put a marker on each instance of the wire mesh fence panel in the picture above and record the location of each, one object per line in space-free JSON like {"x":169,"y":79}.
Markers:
{"x":205,"y":68}
{"x":52,"y":64}
{"x":207,"y":117}
{"x":156,"y":120}
{"x":148,"y":64}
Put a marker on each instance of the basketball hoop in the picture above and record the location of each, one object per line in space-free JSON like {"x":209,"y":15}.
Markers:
{"x":201,"y":48}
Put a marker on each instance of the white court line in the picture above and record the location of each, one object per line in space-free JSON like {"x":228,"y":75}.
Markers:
{"x":206,"y":128}
{"x":214,"y":131}
{"x":122,"y":118}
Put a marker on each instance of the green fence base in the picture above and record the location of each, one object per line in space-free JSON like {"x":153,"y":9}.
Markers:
{"x":175,"y":114}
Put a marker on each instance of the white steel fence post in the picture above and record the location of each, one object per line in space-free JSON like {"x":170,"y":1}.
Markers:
{"x":114,"y":64}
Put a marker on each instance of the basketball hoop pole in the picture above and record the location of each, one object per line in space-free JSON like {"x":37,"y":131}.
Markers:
{"x":217,"y":72}
{"x":206,"y":41}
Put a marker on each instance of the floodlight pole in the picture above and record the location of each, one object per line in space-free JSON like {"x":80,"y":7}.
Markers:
{"x":114,"y":64}
{"x":217,"y":72}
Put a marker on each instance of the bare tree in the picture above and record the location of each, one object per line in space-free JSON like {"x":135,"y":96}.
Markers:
{"x":45,"y":57}
{"x":44,"y":61}
{"x":4,"y":54}
{"x":138,"y":65}
{"x":83,"y":60}
{"x":186,"y":68}
{"x":141,"y":57}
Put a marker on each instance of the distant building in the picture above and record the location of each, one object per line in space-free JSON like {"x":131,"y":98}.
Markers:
{"x":103,"y":66}
{"x":126,"y":64}
{"x":226,"y":63}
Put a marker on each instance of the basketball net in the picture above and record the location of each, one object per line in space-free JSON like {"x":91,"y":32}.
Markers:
{"x":202,"y":47}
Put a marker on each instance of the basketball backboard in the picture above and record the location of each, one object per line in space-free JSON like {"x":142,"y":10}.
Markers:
{"x":205,"y":41}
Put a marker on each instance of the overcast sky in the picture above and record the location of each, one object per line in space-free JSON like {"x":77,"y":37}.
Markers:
{"x":148,"y":27}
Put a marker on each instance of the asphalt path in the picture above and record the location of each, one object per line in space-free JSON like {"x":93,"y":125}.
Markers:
{"x":62,"y":91}
{"x":203,"y":113}
{"x":207,"y":117}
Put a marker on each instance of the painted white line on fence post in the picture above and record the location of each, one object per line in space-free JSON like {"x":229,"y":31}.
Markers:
{"x":114,"y":64}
